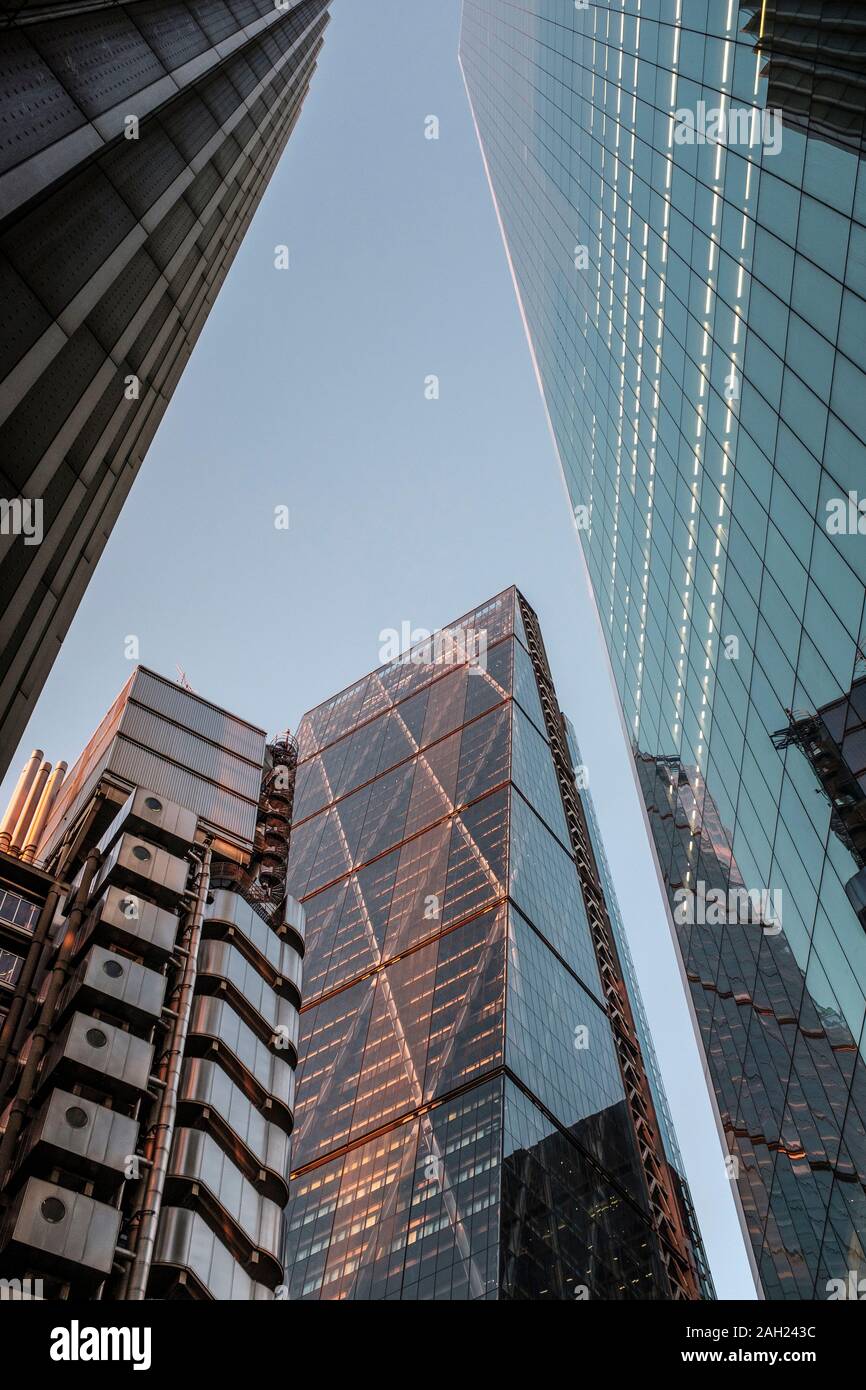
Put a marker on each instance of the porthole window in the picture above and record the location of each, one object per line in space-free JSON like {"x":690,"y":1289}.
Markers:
{"x":152,"y":803}
{"x":139,"y":852}
{"x":76,"y":1117}
{"x":53,"y":1210}
{"x":113,"y":968}
{"x":96,"y":1037}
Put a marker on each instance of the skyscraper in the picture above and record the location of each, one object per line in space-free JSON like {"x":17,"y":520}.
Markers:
{"x":138,"y":140}
{"x":475,"y":1119}
{"x":682,"y":194}
{"x":149,"y":1013}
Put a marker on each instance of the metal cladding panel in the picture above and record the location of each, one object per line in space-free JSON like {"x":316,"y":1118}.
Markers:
{"x":65,"y":1227}
{"x":171,"y":700}
{"x":154,"y":818}
{"x":295,"y":916}
{"x":198,"y":1158}
{"x":79,"y":783}
{"x":185,"y":746}
{"x":229,"y":907}
{"x":220,"y":808}
{"x":93,"y":1052}
{"x":117,"y":985}
{"x":133,"y":923}
{"x":214,"y":1018}
{"x":66,"y":808}
{"x":143,"y":868}
{"x":184,"y":1241}
{"x":205,"y":1084}
{"x":221,"y":961}
{"x":82,"y":1134}
{"x":216,"y":764}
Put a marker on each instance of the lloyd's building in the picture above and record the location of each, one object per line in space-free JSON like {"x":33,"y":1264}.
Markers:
{"x":150,"y":987}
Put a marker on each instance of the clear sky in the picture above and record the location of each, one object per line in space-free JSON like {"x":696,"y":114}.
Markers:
{"x":306,"y":390}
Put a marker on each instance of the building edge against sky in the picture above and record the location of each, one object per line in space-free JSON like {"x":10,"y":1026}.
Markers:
{"x":692,"y":308}
{"x":150,"y":983}
{"x":469,"y":1004}
{"x":120,"y":215}
{"x":642,"y":1028}
{"x":475,"y":1119}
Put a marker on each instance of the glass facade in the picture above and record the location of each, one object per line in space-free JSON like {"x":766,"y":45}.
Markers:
{"x":682,"y":193}
{"x":465,"y":1127}
{"x":136,"y":143}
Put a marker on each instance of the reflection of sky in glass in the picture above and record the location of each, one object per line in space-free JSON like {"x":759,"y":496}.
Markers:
{"x":691,"y":307}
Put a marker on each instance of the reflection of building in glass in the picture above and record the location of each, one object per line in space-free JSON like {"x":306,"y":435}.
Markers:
{"x":834,"y":741}
{"x":815,"y":64}
{"x":474,"y":1117}
{"x":138,"y":140}
{"x":669,"y":1139}
{"x":149,"y":1012}
{"x":696,"y":316}
{"x":783,"y":1063}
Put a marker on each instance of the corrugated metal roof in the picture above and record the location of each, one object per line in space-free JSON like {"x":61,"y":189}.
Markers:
{"x":210,"y":760}
{"x":160,"y":736}
{"x":197,"y":714}
{"x":214,"y":804}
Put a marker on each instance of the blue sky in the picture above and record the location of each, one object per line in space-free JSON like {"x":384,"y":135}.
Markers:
{"x":306,"y":390}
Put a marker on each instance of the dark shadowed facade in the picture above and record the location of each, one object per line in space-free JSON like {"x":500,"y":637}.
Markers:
{"x":136,"y":143}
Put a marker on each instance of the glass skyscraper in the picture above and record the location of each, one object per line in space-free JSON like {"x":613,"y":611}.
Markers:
{"x":474,"y":1115}
{"x":136,"y":143}
{"x":681,"y":189}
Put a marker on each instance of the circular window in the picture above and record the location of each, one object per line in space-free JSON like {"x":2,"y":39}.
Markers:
{"x":139,"y":852}
{"x":152,"y":803}
{"x":53,"y":1210}
{"x":96,"y":1037}
{"x":113,"y":968}
{"x":76,"y":1117}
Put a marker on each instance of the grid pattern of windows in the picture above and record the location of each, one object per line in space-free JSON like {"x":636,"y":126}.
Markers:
{"x":21,"y":916}
{"x":413,"y":1213}
{"x":567,"y":1231}
{"x":17,"y":911}
{"x":532,"y":771}
{"x":558,"y":1040}
{"x":544,"y":887}
{"x":682,"y":191}
{"x":136,"y":142}
{"x":426,"y":990}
